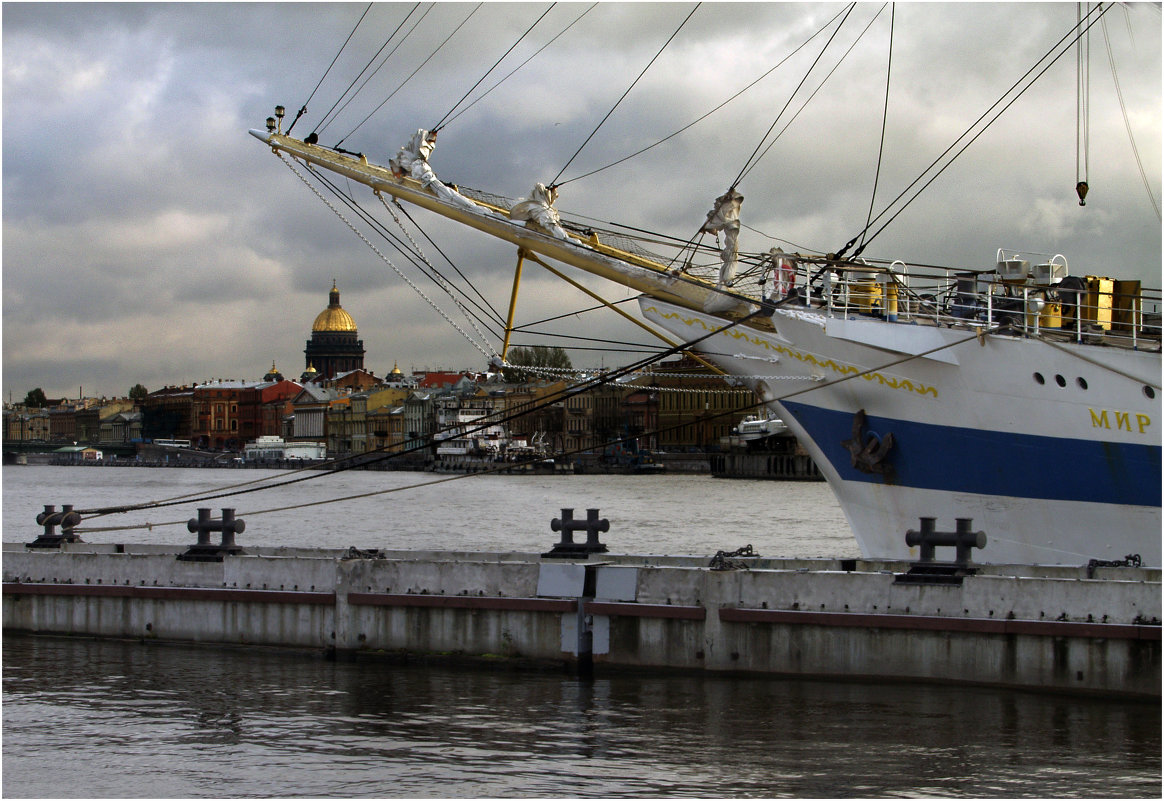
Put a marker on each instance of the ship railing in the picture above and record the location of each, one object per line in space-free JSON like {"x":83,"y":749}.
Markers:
{"x":1083,"y":309}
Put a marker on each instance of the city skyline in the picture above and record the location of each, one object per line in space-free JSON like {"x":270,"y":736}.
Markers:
{"x":150,"y":240}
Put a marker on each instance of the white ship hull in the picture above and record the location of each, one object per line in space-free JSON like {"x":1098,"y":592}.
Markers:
{"x":1052,"y":474}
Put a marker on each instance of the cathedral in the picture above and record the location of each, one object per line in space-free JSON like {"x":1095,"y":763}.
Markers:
{"x":333,"y":347}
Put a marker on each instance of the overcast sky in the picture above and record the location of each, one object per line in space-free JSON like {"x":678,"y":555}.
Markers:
{"x":147,"y":238}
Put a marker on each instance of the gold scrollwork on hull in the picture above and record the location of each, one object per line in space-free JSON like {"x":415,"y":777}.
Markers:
{"x":800,"y":356}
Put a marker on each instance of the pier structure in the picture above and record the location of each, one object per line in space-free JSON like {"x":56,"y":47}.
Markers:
{"x":1084,"y":630}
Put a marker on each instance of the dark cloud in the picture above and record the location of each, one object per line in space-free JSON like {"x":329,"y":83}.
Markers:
{"x":148,"y":238}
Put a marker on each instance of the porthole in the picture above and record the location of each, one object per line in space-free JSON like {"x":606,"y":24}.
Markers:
{"x":1082,"y":382}
{"x":1039,"y":379}
{"x":1151,"y":393}
{"x":1060,"y":380}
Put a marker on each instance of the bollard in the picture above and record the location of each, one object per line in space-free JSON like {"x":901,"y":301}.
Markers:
{"x":566,"y":547}
{"x":67,"y":519}
{"x":962,"y":538}
{"x":928,"y":570}
{"x":204,"y":550}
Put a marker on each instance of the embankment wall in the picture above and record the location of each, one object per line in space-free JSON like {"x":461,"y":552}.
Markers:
{"x":1056,"y":630}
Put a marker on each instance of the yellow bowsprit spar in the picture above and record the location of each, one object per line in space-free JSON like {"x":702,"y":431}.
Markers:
{"x":585,"y":253}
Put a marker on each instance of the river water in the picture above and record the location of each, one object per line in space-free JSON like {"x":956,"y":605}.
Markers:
{"x":104,"y":719}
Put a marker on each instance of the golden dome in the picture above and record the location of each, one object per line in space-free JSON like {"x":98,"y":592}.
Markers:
{"x":333,"y":318}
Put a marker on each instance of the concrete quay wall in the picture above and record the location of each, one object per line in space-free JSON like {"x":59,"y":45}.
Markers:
{"x":1055,"y":630}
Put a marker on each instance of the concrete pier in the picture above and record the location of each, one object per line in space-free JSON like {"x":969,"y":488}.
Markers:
{"x":1061,"y":629}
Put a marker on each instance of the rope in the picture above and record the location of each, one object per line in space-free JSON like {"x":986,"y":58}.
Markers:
{"x":443,"y":119}
{"x":1095,"y":362}
{"x":303,"y":109}
{"x":1082,"y":101}
{"x":748,"y":162}
{"x":439,"y":278}
{"x":519,"y":66}
{"x":624,"y":94}
{"x":543,"y":403}
{"x":550,"y":401}
{"x":496,"y":316}
{"x":481,"y":348}
{"x":328,"y":118}
{"x":884,"y":120}
{"x":418,"y":69}
{"x":1127,"y":124}
{"x":816,"y":91}
{"x":432,"y":273}
{"x":698,"y":120}
{"x":983,"y":116}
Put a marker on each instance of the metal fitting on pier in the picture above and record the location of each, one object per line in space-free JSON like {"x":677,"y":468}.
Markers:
{"x":566,"y":547}
{"x":927,"y":570}
{"x":67,"y":519}
{"x":1131,"y":560}
{"x":962,"y":538}
{"x":204,"y":550}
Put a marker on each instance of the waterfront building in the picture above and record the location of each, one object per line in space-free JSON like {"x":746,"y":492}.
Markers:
{"x":122,"y":428}
{"x":334,"y":346}
{"x":274,"y":398}
{"x":62,"y":418}
{"x":168,"y":413}
{"x":457,"y":382}
{"x":89,"y":421}
{"x":344,"y":425}
{"x":309,"y":413}
{"x":696,"y":406}
{"x":640,"y":411}
{"x":420,"y":422}
{"x":218,"y":423}
{"x":26,"y":423}
{"x":356,"y":380}
{"x":386,"y":428}
{"x":594,"y":418}
{"x":534,"y":413}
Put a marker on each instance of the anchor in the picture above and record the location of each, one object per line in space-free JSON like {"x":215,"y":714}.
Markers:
{"x":868,"y":451}
{"x":566,"y":547}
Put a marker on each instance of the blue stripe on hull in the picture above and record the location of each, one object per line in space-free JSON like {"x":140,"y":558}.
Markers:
{"x":993,"y":463}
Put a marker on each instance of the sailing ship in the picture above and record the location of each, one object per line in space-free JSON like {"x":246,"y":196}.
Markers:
{"x":1022,"y":401}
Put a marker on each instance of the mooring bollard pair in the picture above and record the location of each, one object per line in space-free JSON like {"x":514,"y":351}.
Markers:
{"x":566,"y":547}
{"x":927,"y":570}
{"x":50,"y":518}
{"x":206,"y":551}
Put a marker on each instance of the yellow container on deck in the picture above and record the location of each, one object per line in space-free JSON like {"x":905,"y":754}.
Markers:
{"x":1052,"y":315}
{"x":1097,"y":301}
{"x":1125,"y":314}
{"x":865,"y":295}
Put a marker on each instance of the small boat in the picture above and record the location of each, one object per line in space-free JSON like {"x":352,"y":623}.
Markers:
{"x":754,"y":427}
